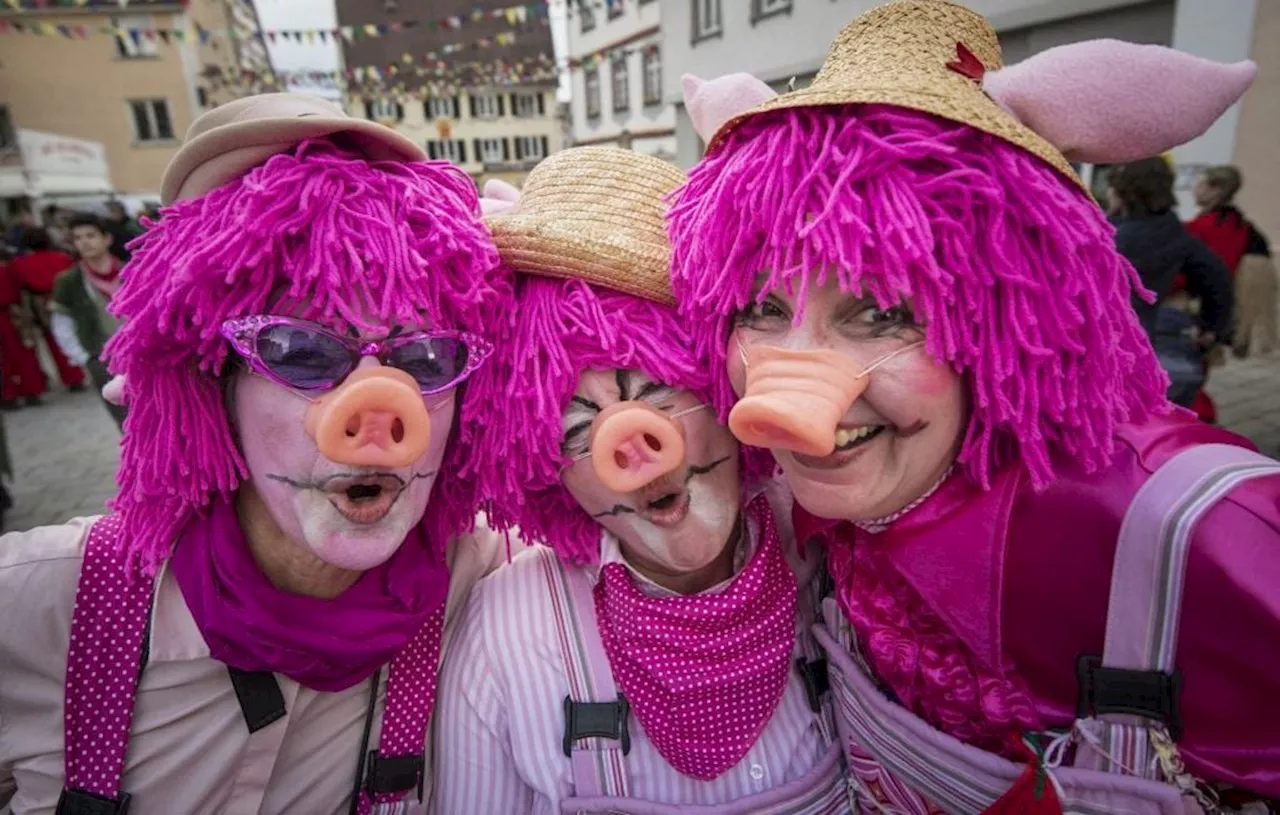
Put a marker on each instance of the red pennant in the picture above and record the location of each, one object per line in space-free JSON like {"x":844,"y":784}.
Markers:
{"x":966,"y":64}
{"x":271,"y":35}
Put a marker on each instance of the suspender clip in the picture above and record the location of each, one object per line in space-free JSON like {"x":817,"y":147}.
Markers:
{"x":1150,"y":694}
{"x":395,"y":773}
{"x":79,"y":802}
{"x":605,"y":720}
{"x":816,"y":681}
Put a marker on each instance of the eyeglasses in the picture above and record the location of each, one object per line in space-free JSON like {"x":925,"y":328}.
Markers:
{"x":302,"y":355}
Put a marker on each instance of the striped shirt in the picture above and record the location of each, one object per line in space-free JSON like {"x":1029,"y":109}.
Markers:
{"x":500,"y":711}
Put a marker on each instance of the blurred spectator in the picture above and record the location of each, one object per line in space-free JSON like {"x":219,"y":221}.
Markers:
{"x":1246,"y":253}
{"x":23,"y":222}
{"x":81,"y":321}
{"x":54,"y":221}
{"x":122,"y":229}
{"x":22,"y":381}
{"x":36,"y":271}
{"x":1150,"y":235}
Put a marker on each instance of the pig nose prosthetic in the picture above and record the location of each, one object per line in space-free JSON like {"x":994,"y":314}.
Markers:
{"x":794,"y":400}
{"x":633,"y":443}
{"x":375,"y":419}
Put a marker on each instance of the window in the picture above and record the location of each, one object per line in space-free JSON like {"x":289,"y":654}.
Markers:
{"x":586,"y":15}
{"x":706,"y":19}
{"x":131,"y":43}
{"x":592,"y":78}
{"x":531,"y":148}
{"x":527,"y":105}
{"x":619,"y":76}
{"x":454,"y":150}
{"x":761,"y":9}
{"x":486,"y":106}
{"x":492,"y":151}
{"x":441,"y":107}
{"x":651,"y":64}
{"x":202,"y":96}
{"x":615,"y":8}
{"x":151,"y":120}
{"x":7,"y":136}
{"x":383,"y":109}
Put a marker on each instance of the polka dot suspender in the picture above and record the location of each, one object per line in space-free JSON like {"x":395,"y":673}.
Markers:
{"x":104,"y":662}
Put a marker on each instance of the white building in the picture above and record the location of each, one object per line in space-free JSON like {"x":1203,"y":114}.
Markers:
{"x":616,"y":76}
{"x":778,"y":40}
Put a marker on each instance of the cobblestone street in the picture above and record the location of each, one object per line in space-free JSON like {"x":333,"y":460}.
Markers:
{"x":65,"y":453}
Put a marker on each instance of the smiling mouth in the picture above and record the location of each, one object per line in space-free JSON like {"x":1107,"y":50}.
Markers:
{"x":364,"y":500}
{"x":850,"y":442}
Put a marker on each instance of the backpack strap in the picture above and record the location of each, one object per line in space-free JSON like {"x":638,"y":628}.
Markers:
{"x":1136,"y":674}
{"x":596,"y":735}
{"x":109,"y":626}
{"x":399,"y":765}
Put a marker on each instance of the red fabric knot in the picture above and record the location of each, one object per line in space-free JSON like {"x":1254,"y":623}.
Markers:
{"x":966,"y":64}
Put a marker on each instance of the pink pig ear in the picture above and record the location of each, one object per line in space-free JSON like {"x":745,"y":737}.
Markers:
{"x":113,"y":391}
{"x":714,"y":102}
{"x":498,"y":196}
{"x":1109,"y":102}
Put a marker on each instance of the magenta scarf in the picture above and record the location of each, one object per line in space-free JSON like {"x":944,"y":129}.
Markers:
{"x":704,"y":673}
{"x":325,"y":645}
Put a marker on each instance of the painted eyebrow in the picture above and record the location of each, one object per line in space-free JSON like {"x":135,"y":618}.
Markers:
{"x":652,"y":388}
{"x":574,"y":434}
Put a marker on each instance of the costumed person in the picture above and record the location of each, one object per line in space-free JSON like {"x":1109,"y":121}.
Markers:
{"x":1150,"y":236}
{"x":23,"y":381}
{"x":1247,"y":254}
{"x":256,"y":627}
{"x":646,"y":658}
{"x":36,"y":270}
{"x":1042,"y":569}
{"x":80,"y":320}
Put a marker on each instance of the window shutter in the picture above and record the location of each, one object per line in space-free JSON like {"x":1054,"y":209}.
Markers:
{"x":519,"y":148}
{"x":462,"y":151}
{"x":453,"y":105}
{"x":506,"y":149}
{"x":479,"y":150}
{"x":542,"y":104}
{"x":515,"y":104}
{"x":472,"y":100}
{"x":368,"y":109}
{"x":502,"y":106}
{"x":544,"y":146}
{"x":399,"y":112}
{"x":431,"y":151}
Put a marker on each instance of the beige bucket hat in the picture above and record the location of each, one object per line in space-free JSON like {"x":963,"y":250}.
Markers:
{"x":595,"y":214}
{"x":231,"y":139}
{"x":926,"y":55}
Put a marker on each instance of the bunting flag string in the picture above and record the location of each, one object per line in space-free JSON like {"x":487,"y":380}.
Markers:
{"x":591,"y":60}
{"x":396,"y":80}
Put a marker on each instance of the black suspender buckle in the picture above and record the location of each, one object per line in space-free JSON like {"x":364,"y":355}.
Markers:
{"x":604,"y":720}
{"x":816,"y":681}
{"x":1149,"y":694}
{"x":79,"y":802}
{"x":395,"y":774}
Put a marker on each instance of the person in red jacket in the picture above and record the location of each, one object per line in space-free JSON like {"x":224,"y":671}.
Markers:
{"x":1245,"y":251}
{"x":36,"y":270}
{"x":22,"y":378}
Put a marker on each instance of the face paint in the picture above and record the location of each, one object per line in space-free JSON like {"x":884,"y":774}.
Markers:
{"x":905,"y":425}
{"x":350,"y":516}
{"x":681,"y":521}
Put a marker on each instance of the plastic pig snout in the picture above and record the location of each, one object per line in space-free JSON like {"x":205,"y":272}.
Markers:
{"x":375,"y":419}
{"x":794,"y":400}
{"x":633,"y":444}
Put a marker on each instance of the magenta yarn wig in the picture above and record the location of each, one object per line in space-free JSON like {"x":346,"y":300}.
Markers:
{"x":353,"y":241}
{"x":1012,"y":269}
{"x":563,"y":327}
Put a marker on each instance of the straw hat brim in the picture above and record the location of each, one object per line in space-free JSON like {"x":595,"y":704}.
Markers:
{"x":974,"y":109}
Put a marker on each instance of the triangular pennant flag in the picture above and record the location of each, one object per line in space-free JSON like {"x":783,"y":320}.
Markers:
{"x":204,"y":34}
{"x":511,"y":16}
{"x":136,"y":36}
{"x":65,"y":31}
{"x":348,"y":33}
{"x":150,"y":34}
{"x":180,"y":34}
{"x":164,"y":35}
{"x":371,"y":30}
{"x":311,"y":35}
{"x":522,"y":14}
{"x":394,"y":28}
{"x":81,"y":32}
{"x":324,"y":35}
{"x":407,"y":58}
{"x":271,"y":35}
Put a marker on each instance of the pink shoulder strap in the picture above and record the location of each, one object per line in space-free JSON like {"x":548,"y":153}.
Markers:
{"x":1151,"y":556}
{"x":104,"y":661}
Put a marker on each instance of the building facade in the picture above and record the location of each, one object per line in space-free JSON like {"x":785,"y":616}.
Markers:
{"x":709,"y":38}
{"x":473,"y":84}
{"x":616,"y":76}
{"x":130,"y":77}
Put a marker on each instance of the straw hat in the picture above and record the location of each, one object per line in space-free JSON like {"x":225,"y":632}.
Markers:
{"x":926,"y":55}
{"x":232,"y":139}
{"x":595,"y":214}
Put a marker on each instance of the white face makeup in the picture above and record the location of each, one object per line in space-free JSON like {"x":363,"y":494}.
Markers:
{"x":679,"y":523}
{"x":352,"y":517}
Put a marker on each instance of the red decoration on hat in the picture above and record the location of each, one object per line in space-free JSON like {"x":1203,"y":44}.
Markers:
{"x":966,"y":64}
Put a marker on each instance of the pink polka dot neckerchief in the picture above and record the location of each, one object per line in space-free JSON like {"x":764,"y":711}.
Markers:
{"x":411,"y":695}
{"x":878,"y":525}
{"x":704,"y":673}
{"x":104,"y":657}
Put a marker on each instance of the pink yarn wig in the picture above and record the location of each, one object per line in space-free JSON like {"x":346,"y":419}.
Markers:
{"x":562,"y":328}
{"x":353,"y":241}
{"x":1011,"y":268}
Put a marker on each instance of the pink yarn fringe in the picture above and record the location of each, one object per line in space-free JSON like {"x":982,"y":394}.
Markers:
{"x":353,"y":241}
{"x":1013,"y":271}
{"x":562,"y":328}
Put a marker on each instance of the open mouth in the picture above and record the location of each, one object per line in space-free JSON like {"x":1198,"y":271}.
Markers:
{"x":667,"y":509}
{"x":364,"y":500}
{"x":856,"y":437}
{"x":850,"y":442}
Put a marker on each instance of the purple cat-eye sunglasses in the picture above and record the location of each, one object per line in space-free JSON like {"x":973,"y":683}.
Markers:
{"x":302,"y":355}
